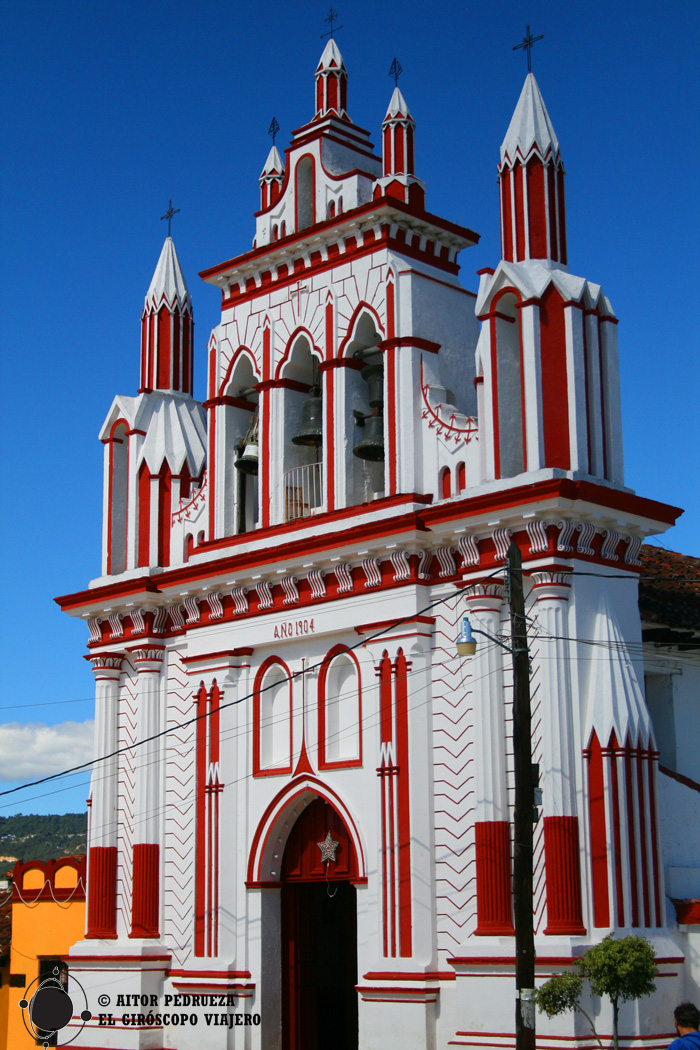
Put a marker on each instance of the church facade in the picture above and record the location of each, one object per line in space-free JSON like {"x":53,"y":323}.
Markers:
{"x":301,"y":835}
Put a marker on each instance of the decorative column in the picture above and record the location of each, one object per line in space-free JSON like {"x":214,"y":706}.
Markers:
{"x":561,"y":837}
{"x":102,"y":885}
{"x":145,"y":901}
{"x":492,"y":826}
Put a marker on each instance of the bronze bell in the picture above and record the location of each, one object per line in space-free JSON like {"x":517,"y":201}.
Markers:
{"x":248,"y":462}
{"x":373,"y":376}
{"x":311,"y":429}
{"x":372,"y":445}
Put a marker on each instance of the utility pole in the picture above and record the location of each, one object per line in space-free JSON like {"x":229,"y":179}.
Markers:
{"x":524,"y":800}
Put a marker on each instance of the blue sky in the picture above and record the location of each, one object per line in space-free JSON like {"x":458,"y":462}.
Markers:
{"x":110,"y":110}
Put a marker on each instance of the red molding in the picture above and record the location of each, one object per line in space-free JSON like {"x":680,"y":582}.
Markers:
{"x":329,"y":224}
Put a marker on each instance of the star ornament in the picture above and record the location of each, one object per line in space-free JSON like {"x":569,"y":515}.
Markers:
{"x":328,"y":848}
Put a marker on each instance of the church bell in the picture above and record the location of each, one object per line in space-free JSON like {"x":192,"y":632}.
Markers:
{"x":311,"y":427}
{"x":248,"y":462}
{"x":372,"y":445}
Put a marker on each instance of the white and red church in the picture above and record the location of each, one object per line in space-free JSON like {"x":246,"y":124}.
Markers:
{"x":307,"y":805}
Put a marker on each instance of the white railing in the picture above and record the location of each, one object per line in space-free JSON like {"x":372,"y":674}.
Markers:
{"x":303,"y":491}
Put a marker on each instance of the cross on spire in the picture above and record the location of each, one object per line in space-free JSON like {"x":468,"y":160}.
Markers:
{"x":330,"y":19}
{"x":527,"y":43}
{"x":169,"y":214}
{"x":273,"y":129}
{"x":395,"y":70}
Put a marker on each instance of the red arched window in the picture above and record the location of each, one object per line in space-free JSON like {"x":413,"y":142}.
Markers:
{"x":446,"y":484}
{"x":272,"y":719}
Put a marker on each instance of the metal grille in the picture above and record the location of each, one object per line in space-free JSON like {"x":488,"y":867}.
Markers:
{"x":303,"y":491}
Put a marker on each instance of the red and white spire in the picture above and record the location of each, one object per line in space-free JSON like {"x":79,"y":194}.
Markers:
{"x":331,"y":83}
{"x":166,"y":328}
{"x":531,"y":176}
{"x":398,"y":131}
{"x":271,"y":179}
{"x":398,"y":155}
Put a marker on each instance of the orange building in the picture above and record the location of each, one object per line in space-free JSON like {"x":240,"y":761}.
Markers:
{"x":48,"y":916}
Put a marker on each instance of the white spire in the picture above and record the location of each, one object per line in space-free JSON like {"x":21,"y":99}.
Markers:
{"x":398,"y":106}
{"x":530,"y":126}
{"x":331,"y":57}
{"x":273,"y":164}
{"x":168,"y":281}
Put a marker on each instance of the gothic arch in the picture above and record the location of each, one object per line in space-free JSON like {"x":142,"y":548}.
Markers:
{"x":270,"y":838}
{"x":292,"y":342}
{"x":241,"y":352}
{"x":357,"y":330}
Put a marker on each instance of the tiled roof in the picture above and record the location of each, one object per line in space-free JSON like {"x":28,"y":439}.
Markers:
{"x":664,"y":598}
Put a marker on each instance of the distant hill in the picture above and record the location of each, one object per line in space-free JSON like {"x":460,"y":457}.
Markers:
{"x":36,"y":837}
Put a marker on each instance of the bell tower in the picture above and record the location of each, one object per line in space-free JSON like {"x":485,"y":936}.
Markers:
{"x":547,"y":364}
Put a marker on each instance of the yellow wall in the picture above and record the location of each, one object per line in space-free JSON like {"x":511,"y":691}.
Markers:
{"x":45,"y":928}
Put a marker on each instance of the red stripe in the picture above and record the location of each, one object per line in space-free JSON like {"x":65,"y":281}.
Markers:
{"x":599,"y":854}
{"x":654,"y":837}
{"x":643,"y":756}
{"x":403,"y":791}
{"x":617,"y":836}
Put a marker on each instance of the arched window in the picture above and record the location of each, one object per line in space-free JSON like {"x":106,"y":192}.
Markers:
{"x":240,"y":439}
{"x":302,"y":411}
{"x":117,"y":509}
{"x":446,"y":483}
{"x":331,"y":209}
{"x":272,"y":720}
{"x":461,"y":478}
{"x":305,"y":191}
{"x":510,"y":422}
{"x":340,"y":712}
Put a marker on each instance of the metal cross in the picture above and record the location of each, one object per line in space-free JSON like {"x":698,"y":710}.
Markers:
{"x":330,"y":18}
{"x":169,"y":214}
{"x":273,"y":129}
{"x":395,"y":70}
{"x":526,"y":45}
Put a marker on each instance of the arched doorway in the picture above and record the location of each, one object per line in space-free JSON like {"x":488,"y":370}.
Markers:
{"x":319,"y":935}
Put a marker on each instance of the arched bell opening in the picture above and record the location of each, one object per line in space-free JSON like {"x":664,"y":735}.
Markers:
{"x":510,"y":420}
{"x":302,"y":444}
{"x":242,"y":449}
{"x":364,"y":415}
{"x":319,"y":933}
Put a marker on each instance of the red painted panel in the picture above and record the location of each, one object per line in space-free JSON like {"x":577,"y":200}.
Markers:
{"x":631,"y":835}
{"x":507,"y":217}
{"x":617,"y":832}
{"x":493,"y":886}
{"x":599,"y":849}
{"x":146,"y":887}
{"x":163,"y":374}
{"x":164,"y":515}
{"x":102,"y":892}
{"x":176,"y":351}
{"x":144,"y":515}
{"x":410,"y":160}
{"x":200,"y":826}
{"x":332,"y":88}
{"x":151,"y":348}
{"x":642,"y":757}
{"x":446,"y":483}
{"x":555,"y":406}
{"x":562,"y":216}
{"x":563,"y":876}
{"x":144,"y":351}
{"x":536,"y":210}
{"x":654,"y":838}
{"x":552,"y":203}
{"x":399,"y":159}
{"x":404,"y":809}
{"x":461,"y":477}
{"x":517,"y":175}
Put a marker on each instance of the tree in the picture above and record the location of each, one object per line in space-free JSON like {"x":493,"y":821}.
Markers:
{"x":623,"y":970}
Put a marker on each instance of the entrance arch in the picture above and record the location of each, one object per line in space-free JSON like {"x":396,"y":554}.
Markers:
{"x":319,"y":934}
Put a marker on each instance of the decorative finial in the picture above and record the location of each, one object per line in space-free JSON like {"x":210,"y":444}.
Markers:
{"x":273,"y":129}
{"x":169,"y":214}
{"x":395,"y":70}
{"x":330,"y":19}
{"x":526,"y":45}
